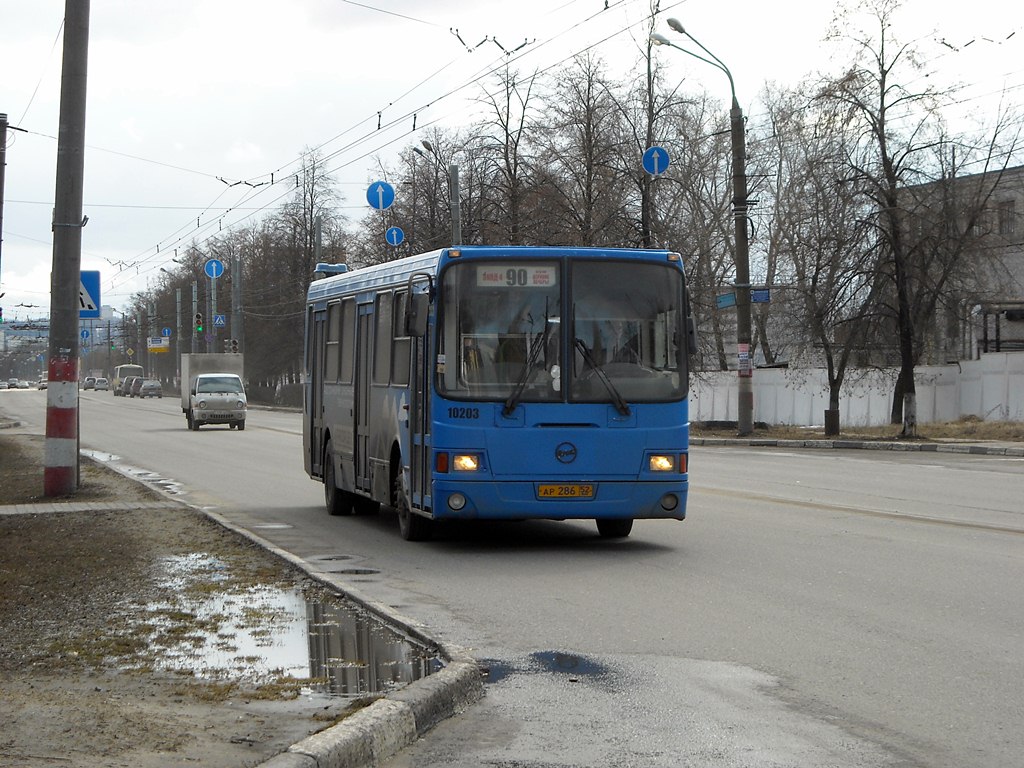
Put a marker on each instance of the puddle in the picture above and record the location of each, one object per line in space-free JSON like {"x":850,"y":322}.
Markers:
{"x":574,"y":667}
{"x":261,"y":634}
{"x":569,"y":664}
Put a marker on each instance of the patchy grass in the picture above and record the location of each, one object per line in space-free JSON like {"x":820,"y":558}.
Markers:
{"x":970,"y":428}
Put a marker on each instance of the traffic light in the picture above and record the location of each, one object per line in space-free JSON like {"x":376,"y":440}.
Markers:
{"x":199,"y":322}
{"x":234,"y":346}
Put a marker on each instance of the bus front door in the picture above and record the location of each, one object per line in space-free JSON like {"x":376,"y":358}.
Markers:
{"x":419,"y":427}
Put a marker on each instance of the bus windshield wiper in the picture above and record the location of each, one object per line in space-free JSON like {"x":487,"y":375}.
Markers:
{"x":525,"y":374}
{"x":620,"y":403}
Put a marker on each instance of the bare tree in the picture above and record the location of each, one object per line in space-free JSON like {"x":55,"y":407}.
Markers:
{"x":903,"y":130}
{"x":579,"y":140}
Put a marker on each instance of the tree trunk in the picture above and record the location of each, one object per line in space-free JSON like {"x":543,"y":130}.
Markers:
{"x":909,"y":415}
{"x":832,"y":412}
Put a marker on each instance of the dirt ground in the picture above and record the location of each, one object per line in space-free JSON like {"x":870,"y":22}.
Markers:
{"x":85,"y":617}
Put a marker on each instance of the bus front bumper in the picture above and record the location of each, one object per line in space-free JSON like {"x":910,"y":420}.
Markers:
{"x":576,"y":500}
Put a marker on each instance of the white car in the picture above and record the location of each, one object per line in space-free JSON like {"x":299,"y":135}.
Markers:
{"x":101,"y":385}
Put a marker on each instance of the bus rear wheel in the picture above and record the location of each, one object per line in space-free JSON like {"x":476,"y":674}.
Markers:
{"x":615,"y":529}
{"x":413,"y":527}
{"x":338,"y":501}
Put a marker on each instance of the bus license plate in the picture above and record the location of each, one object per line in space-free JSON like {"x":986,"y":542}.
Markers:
{"x":566,"y":491}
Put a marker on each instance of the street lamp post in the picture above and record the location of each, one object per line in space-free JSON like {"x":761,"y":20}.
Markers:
{"x":745,"y":405}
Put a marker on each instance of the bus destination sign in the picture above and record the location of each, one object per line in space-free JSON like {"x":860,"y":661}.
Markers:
{"x":515,"y":276}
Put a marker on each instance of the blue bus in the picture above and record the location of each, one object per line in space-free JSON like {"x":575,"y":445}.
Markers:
{"x":501,"y":382}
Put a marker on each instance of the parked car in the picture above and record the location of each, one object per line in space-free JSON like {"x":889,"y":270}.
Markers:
{"x":126,"y":385}
{"x":4,"y":385}
{"x":136,"y":386}
{"x":41,"y":384}
{"x":150,"y":388}
{"x":89,"y":382}
{"x":102,"y":384}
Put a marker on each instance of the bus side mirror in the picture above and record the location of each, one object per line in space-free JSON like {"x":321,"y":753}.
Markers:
{"x":691,"y":335}
{"x":416,"y":311}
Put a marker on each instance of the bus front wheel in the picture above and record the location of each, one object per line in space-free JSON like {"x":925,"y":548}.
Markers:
{"x":614,"y":529}
{"x":338,"y":501}
{"x":413,"y":527}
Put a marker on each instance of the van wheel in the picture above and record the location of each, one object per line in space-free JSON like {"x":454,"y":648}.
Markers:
{"x":614,"y":529}
{"x":241,"y":426}
{"x":413,"y":527}
{"x":338,"y":501}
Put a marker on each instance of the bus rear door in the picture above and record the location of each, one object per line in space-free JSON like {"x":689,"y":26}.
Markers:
{"x":363,"y":373}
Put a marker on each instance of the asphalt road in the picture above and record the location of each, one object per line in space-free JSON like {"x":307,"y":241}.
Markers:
{"x":847,"y":608}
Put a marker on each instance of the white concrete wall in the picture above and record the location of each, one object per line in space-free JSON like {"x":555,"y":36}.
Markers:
{"x":991,"y":388}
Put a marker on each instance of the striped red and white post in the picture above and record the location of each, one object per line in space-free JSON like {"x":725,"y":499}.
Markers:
{"x":60,"y":475}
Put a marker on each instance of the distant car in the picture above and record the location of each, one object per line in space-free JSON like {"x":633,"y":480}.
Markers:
{"x":89,"y":383}
{"x":12,"y":383}
{"x":41,"y":384}
{"x":126,"y":385}
{"x":4,"y":385}
{"x":23,"y":384}
{"x":136,"y":387}
{"x":102,"y":385}
{"x":149,"y":388}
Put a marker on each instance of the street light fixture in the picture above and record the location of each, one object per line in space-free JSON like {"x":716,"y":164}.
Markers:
{"x":745,"y":405}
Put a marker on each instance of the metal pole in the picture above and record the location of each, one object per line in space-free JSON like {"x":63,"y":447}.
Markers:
{"x":237,"y":331}
{"x":61,"y":470}
{"x":177,"y":334}
{"x":195,"y":309}
{"x":745,"y":406}
{"x":456,"y":209}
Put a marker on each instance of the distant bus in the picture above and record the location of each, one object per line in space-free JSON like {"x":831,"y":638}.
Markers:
{"x":122,"y":372}
{"x":494,"y":382}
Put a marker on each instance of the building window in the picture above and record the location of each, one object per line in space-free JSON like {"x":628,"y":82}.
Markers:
{"x":1007,"y":218}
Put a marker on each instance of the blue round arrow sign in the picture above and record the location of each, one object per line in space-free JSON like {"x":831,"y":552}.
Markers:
{"x":655,"y":161}
{"x":214,"y":268}
{"x":394,"y":236}
{"x":380,"y":195}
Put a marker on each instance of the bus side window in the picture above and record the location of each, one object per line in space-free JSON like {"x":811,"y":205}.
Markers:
{"x":347,"y":341}
{"x":331,"y":362}
{"x":382,"y":340}
{"x":400,"y":344}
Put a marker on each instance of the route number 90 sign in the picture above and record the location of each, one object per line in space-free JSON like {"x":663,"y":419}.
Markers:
{"x":518,"y":276}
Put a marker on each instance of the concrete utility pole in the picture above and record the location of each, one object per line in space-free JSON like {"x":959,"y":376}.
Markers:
{"x":61,"y":465}
{"x":3,"y":166}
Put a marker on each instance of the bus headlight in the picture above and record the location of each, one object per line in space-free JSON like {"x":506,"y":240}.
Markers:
{"x":465,"y":462}
{"x":661,"y":463}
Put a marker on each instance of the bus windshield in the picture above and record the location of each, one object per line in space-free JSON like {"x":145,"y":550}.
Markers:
{"x":626,"y":333}
{"x":501,"y":332}
{"x":505,"y":336}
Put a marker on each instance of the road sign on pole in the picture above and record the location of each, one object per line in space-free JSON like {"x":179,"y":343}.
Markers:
{"x":89,"y":294}
{"x":394,"y":236}
{"x":655,"y":161}
{"x":214,"y":268}
{"x":380,"y":195}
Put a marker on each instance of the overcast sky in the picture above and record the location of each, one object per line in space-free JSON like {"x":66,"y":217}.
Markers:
{"x":188,"y":97}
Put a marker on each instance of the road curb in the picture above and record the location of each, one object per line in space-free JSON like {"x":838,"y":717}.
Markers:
{"x":868,"y":445}
{"x":391,"y":723}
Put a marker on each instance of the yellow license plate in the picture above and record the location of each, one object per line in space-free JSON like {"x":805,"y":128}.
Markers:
{"x":566,"y":491}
